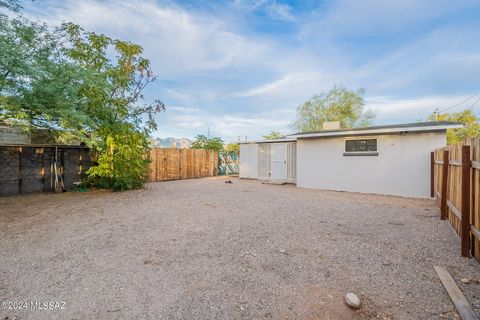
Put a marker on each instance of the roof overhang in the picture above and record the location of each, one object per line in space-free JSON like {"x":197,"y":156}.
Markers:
{"x":378,"y":131}
{"x":293,"y":139}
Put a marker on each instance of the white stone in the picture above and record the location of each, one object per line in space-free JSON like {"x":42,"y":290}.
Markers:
{"x":352,"y":300}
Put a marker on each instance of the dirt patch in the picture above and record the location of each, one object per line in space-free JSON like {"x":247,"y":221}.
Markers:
{"x":204,"y":249}
{"x":316,"y":303}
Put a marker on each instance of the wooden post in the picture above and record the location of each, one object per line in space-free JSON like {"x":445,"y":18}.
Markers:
{"x":465,"y":222}
{"x":43,"y":170}
{"x":432,"y":174}
{"x":443,"y":203}
{"x":20,"y":176}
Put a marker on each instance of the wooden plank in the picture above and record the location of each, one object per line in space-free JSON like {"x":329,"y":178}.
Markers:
{"x":465,"y":221}
{"x":443,"y":203}
{"x":457,"y":297}
{"x":454,"y":210}
{"x":476,"y":164}
{"x":172,"y":164}
{"x":432,"y":173}
{"x":153,"y":165}
{"x":457,"y":163}
{"x":475,"y":231}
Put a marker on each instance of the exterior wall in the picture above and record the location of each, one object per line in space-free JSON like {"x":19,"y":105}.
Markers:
{"x":257,"y":160}
{"x":248,"y":161}
{"x":10,"y":135}
{"x":402,"y":167}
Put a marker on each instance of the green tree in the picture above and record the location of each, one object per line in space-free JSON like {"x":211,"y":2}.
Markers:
{"x":37,"y":84}
{"x":233,"y":147}
{"x":81,"y":86}
{"x":13,"y":5}
{"x":273,"y":135}
{"x":471,"y":127}
{"x":339,"y":104}
{"x":203,"y":142}
{"x":114,"y":117}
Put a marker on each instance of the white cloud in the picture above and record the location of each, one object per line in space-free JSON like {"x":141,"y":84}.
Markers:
{"x":389,"y":109}
{"x":176,"y":41}
{"x":375,"y":16}
{"x":280,"y":11}
{"x":273,"y":87}
{"x":228,"y":126}
{"x":184,"y":110}
{"x":273,"y":8}
{"x":244,"y":81}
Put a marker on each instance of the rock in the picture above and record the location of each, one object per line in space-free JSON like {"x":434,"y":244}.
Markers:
{"x":465,"y":280}
{"x":352,"y":300}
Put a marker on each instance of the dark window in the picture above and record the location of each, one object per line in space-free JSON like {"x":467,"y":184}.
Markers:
{"x":364,"y":145}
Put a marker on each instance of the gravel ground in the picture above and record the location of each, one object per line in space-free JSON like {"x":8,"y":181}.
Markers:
{"x":203,"y":249}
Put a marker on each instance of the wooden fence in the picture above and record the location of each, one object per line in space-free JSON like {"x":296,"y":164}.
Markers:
{"x":456,"y":187}
{"x":36,"y":168}
{"x":175,"y":164}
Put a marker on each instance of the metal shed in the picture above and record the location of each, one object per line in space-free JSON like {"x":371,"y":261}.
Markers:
{"x":248,"y":161}
{"x":271,"y":160}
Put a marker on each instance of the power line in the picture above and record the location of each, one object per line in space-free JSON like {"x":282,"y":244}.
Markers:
{"x":473,"y":105}
{"x":460,"y":103}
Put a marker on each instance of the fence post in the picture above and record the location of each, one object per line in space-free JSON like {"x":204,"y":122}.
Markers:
{"x":20,"y":176}
{"x":432,"y":174}
{"x":443,"y":203}
{"x":465,"y":222}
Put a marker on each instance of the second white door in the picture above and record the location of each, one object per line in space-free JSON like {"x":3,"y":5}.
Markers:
{"x":279,"y":161}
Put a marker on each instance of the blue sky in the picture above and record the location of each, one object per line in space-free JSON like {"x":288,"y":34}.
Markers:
{"x":242,"y":67}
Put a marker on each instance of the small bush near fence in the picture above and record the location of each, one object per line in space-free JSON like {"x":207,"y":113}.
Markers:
{"x":456,"y":187}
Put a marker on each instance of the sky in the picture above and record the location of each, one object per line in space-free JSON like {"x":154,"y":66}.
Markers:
{"x":239,"y":69}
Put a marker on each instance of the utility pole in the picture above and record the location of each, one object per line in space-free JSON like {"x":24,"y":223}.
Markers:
{"x":436,"y":113}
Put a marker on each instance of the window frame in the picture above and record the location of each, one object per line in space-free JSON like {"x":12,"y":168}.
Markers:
{"x":360,"y":153}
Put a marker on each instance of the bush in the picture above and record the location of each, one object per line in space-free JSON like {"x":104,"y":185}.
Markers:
{"x":121,"y":163}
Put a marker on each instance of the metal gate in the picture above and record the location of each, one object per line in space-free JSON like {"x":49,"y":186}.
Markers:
{"x":228,"y":164}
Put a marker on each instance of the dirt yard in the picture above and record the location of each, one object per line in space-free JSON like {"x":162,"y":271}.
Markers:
{"x":204,"y":249}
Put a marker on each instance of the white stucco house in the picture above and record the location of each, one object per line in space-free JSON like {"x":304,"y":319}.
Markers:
{"x":390,"y":159}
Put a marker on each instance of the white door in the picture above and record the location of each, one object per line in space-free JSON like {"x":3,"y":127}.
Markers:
{"x":248,"y":161}
{"x":279,"y":161}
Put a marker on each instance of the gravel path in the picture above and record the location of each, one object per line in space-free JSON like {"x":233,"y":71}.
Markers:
{"x":203,"y":249}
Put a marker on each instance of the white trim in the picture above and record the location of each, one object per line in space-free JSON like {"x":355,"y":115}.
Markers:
{"x":270,"y":141}
{"x":376,"y":131}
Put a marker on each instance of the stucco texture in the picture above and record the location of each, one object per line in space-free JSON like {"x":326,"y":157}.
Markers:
{"x":401,"y":168}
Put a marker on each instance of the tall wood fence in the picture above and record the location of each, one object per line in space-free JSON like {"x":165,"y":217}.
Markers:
{"x":175,"y":164}
{"x":456,"y":187}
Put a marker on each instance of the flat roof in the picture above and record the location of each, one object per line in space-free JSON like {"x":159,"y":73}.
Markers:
{"x":286,"y":139}
{"x":417,"y":127}
{"x":30,"y":145}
